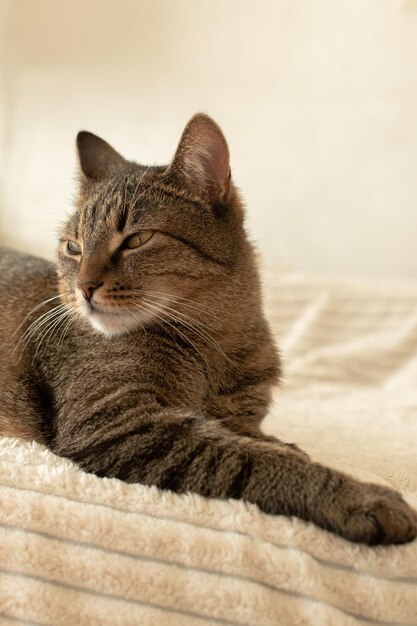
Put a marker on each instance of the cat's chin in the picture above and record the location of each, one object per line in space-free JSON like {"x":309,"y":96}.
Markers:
{"x":110,"y":322}
{"x":113,"y":325}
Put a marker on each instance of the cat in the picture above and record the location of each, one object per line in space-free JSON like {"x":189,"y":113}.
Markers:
{"x":144,"y":353}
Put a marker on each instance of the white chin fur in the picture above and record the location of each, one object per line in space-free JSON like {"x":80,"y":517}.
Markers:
{"x":113,"y":324}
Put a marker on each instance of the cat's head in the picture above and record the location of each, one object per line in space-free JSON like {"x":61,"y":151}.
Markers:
{"x":152,"y":243}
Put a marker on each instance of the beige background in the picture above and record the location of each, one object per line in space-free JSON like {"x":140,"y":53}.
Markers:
{"x":318,"y":99}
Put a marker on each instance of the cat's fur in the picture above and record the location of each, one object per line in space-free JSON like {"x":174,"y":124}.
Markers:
{"x":157,"y":364}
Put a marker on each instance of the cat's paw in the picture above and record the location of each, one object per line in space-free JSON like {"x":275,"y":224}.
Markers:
{"x":374,"y":515}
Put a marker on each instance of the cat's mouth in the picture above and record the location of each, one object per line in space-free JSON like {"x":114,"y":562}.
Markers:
{"x":99,"y":309}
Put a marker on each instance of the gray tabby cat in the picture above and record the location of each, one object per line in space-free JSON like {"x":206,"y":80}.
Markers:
{"x":144,"y":353}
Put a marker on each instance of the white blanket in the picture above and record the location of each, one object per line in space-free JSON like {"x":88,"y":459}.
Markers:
{"x":76,"y":549}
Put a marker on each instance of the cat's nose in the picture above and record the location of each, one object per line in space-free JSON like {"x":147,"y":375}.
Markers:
{"x":88,"y":289}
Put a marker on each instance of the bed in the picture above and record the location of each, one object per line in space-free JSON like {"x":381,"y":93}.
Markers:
{"x":76,"y":549}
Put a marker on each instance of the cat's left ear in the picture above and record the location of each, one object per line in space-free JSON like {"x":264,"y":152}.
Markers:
{"x":201,"y":161}
{"x":98,"y":160}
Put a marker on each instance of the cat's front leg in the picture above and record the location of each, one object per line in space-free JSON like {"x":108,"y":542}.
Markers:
{"x":188,"y":454}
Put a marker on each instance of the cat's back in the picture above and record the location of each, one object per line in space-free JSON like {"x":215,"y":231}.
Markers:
{"x":25,"y":280}
{"x":16,"y":265}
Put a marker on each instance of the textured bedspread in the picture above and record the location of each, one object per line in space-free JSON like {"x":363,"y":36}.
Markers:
{"x":76,"y":549}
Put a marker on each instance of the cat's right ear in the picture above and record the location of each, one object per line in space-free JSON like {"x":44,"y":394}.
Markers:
{"x":98,"y":160}
{"x":201,"y":161}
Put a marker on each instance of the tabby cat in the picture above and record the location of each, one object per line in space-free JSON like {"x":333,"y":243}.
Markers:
{"x":144,"y":353}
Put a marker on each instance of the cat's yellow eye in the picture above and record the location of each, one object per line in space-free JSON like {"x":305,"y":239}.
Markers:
{"x":137,"y":239}
{"x":73,"y":248}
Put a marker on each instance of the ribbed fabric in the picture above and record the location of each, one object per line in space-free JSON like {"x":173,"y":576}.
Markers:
{"x":76,"y":549}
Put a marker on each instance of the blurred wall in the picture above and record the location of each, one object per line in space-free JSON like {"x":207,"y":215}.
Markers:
{"x":318,"y":100}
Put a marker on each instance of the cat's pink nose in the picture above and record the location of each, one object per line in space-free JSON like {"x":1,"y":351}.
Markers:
{"x":88,"y":289}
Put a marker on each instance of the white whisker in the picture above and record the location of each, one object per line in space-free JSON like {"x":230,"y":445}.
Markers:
{"x":135,"y":199}
{"x":49,"y":331}
{"x":192,"y":325}
{"x":136,"y":318}
{"x":38,"y":306}
{"x":37,"y":324}
{"x":73,"y":317}
{"x":183,"y":301}
{"x":156,"y":312}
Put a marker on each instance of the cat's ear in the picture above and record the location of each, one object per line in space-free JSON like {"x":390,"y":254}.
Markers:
{"x":201,"y":161}
{"x":98,"y":160}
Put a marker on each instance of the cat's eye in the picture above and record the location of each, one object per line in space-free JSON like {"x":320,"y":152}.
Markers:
{"x":137,"y":239}
{"x":73,"y":248}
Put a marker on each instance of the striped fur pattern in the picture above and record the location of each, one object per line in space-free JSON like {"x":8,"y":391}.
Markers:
{"x":144,"y":353}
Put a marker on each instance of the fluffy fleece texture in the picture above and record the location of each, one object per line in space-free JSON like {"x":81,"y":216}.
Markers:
{"x":76,"y":549}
